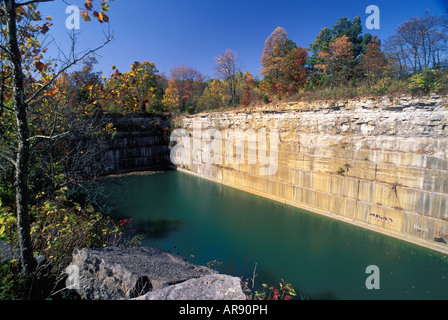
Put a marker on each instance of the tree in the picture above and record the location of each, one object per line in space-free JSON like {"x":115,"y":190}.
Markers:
{"x":249,"y":84}
{"x":21,"y":20}
{"x":419,"y":43}
{"x":214,"y":96}
{"x":226,"y":68}
{"x":352,"y":29}
{"x":295,"y":70}
{"x":136,"y":89}
{"x":373,"y":62}
{"x":185,"y":86}
{"x":337,"y":60}
{"x":277,"y":47}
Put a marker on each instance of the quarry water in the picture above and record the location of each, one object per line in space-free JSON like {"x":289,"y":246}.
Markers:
{"x":204,"y":221}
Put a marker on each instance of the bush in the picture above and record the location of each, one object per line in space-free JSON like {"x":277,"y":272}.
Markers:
{"x":284,"y":292}
{"x":11,"y":286}
{"x":428,"y":81}
{"x":61,"y":225}
{"x":265,"y":99}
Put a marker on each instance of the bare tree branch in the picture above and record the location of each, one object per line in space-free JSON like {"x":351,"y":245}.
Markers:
{"x":8,"y":158}
{"x":68,"y":66}
{"x":32,"y":1}
{"x":48,"y":137}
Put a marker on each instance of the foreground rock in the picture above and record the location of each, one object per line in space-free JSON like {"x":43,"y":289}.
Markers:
{"x":126,"y":273}
{"x":210,"y":287}
{"x":7,"y":252}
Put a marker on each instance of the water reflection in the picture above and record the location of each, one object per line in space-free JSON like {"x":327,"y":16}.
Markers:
{"x":158,"y":228}
{"x":322,"y":258}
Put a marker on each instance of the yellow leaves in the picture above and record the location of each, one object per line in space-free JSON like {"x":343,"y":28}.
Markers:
{"x":101,"y":17}
{"x":85,"y":16}
{"x":109,"y":128}
{"x":20,"y":11}
{"x":90,"y":209}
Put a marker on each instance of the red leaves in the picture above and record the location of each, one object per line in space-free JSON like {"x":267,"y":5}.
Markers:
{"x":96,"y":15}
{"x":88,"y":5}
{"x":39,"y":66}
{"x":123,"y":223}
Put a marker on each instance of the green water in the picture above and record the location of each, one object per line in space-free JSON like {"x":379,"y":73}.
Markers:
{"x":322,"y":258}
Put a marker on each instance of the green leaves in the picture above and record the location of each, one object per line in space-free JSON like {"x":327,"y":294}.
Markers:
{"x":104,"y":7}
{"x":8,"y":222}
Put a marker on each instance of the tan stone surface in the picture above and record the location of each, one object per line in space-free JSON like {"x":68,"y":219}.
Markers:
{"x":378,"y":163}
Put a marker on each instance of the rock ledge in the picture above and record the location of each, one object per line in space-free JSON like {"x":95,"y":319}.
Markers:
{"x":147,"y":274}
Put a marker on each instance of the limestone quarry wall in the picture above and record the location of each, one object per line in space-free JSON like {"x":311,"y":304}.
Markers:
{"x":379,"y":163}
{"x":140,"y":143}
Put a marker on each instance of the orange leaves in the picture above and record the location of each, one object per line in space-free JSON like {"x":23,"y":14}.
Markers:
{"x":342,"y":48}
{"x":337,"y":60}
{"x":283,"y":64}
{"x":53,"y":92}
{"x":20,"y":11}
{"x":85,"y":16}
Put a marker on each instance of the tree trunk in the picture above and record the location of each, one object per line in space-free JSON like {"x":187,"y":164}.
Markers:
{"x":21,"y":176}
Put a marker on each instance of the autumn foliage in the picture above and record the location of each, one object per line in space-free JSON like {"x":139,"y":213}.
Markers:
{"x":341,"y":58}
{"x":283,"y":64}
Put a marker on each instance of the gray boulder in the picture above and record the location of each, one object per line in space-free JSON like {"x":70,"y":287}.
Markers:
{"x":210,"y":287}
{"x":7,"y":252}
{"x":124,"y":273}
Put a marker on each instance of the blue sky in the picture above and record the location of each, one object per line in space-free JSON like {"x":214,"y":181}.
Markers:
{"x":194,"y":32}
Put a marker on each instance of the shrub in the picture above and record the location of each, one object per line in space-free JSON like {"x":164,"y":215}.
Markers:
{"x":59,"y":225}
{"x":265,"y":99}
{"x":11,"y":286}
{"x":62,"y":225}
{"x":284,"y":292}
{"x":428,"y":81}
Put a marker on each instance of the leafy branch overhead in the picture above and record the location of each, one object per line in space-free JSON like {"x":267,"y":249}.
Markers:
{"x":27,"y":11}
{"x":100,"y":16}
{"x":22,"y":98}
